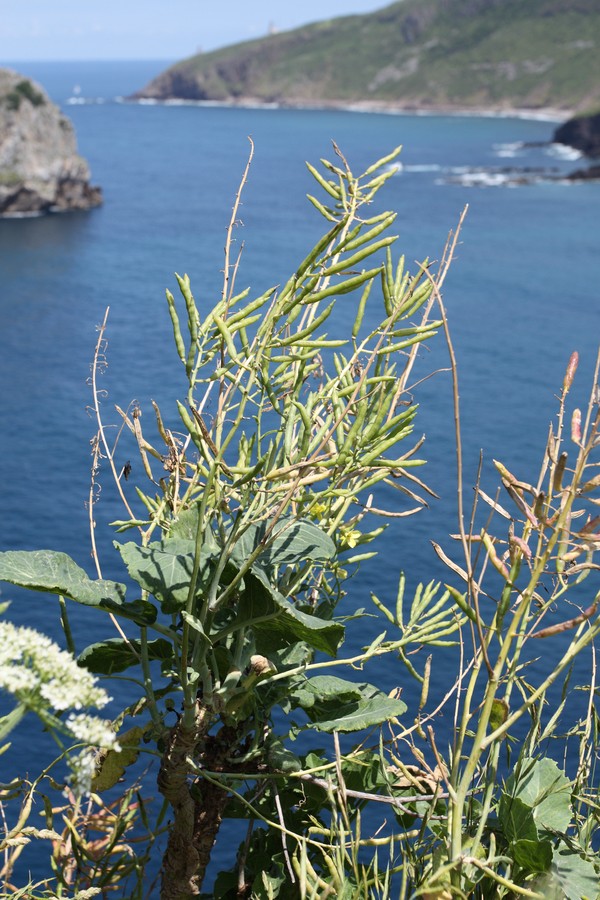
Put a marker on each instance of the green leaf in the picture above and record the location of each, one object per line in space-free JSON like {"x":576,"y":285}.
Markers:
{"x":333,"y":704}
{"x":577,"y":877}
{"x":289,"y":625}
{"x":282,"y":623}
{"x":324,"y":689}
{"x":546,"y":789}
{"x":363,"y":714}
{"x":142,"y":612}
{"x":56,"y":573}
{"x":195,"y":623}
{"x":269,"y":884}
{"x":290,"y":543}
{"x":516,"y":819}
{"x":296,"y":654}
{"x":165,"y":570}
{"x":364,"y":773}
{"x":534,"y":856}
{"x":281,"y":759}
{"x":185,"y":528}
{"x":116,"y":655}
{"x":498,"y":713}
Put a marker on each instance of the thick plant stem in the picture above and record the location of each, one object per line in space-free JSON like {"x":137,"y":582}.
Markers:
{"x":182,"y":869}
{"x":209,"y":815}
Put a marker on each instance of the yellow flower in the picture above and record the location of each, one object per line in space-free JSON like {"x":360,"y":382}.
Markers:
{"x":349,"y":537}
{"x":318,"y":510}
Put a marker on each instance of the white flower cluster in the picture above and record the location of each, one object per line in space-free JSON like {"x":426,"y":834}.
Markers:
{"x":91,"y":729}
{"x":83,"y":769}
{"x":38,"y":673}
{"x":41,"y":676}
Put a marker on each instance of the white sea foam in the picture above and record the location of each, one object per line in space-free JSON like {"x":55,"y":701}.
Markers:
{"x":423,"y":167}
{"x":480,"y":177}
{"x":562,"y":151}
{"x":22,"y":215}
{"x":483,"y":179}
{"x":509,"y":150}
{"x":85,"y":101}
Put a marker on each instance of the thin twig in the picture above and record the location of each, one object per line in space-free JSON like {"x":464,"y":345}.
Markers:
{"x":98,"y":415}
{"x":284,"y":835}
{"x":101,"y":435}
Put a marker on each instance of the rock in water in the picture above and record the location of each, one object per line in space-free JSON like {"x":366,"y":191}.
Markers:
{"x":583,"y":133}
{"x":40,"y":169}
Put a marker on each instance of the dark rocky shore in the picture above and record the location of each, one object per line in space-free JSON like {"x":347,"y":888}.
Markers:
{"x":582,"y":133}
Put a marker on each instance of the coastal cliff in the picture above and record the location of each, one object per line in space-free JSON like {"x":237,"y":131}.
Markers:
{"x":40,"y":169}
{"x":437,"y":55}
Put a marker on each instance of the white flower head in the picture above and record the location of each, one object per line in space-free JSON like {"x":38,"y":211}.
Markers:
{"x":39,"y":674}
{"x":92,"y":730}
{"x":43,"y":677}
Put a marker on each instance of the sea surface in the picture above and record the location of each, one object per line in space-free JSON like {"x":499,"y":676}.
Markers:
{"x":522,"y":294}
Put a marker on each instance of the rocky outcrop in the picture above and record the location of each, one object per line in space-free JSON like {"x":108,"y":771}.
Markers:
{"x":582,"y":133}
{"x":40,"y":169}
{"x":590,"y":174}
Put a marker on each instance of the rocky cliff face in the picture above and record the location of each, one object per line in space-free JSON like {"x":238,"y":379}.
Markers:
{"x":40,"y":169}
{"x":583,"y":133}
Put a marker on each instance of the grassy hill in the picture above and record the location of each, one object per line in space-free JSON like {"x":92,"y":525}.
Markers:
{"x":455,"y":54}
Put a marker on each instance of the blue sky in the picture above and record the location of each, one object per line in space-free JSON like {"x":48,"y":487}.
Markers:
{"x":152,"y":29}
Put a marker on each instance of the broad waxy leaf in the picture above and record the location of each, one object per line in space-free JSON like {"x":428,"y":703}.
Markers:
{"x":542,"y":786}
{"x":283,"y":624}
{"x":577,"y":877}
{"x":292,"y":625}
{"x":56,"y":573}
{"x":116,"y":655}
{"x":533,"y":855}
{"x":333,"y":704}
{"x":289,"y":543}
{"x":517,"y":819}
{"x":185,"y":528}
{"x":361,"y":714}
{"x":165,"y":570}
{"x":281,"y":759}
{"x":364,"y":774}
{"x":326,"y":689}
{"x":142,"y":612}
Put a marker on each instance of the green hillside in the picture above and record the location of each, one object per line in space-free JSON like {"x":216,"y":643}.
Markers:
{"x":501,"y":54}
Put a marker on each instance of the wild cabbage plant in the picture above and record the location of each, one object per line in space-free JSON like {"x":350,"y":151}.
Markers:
{"x":259,"y":505}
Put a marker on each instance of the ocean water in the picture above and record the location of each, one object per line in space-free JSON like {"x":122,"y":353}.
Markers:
{"x":522,"y":294}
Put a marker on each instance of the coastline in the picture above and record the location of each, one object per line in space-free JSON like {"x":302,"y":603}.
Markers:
{"x":543,"y":114}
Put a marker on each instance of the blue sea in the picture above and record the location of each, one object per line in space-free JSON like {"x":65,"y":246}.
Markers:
{"x":522,"y":294}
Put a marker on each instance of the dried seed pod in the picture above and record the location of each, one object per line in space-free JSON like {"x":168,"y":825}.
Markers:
{"x":559,"y":472}
{"x":261,"y":666}
{"x":571,"y":369}
{"x":576,"y":426}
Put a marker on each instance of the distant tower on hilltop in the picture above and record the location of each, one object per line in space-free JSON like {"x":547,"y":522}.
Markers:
{"x":272,"y":29}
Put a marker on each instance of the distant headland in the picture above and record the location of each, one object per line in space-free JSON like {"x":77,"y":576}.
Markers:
{"x":415,"y":55}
